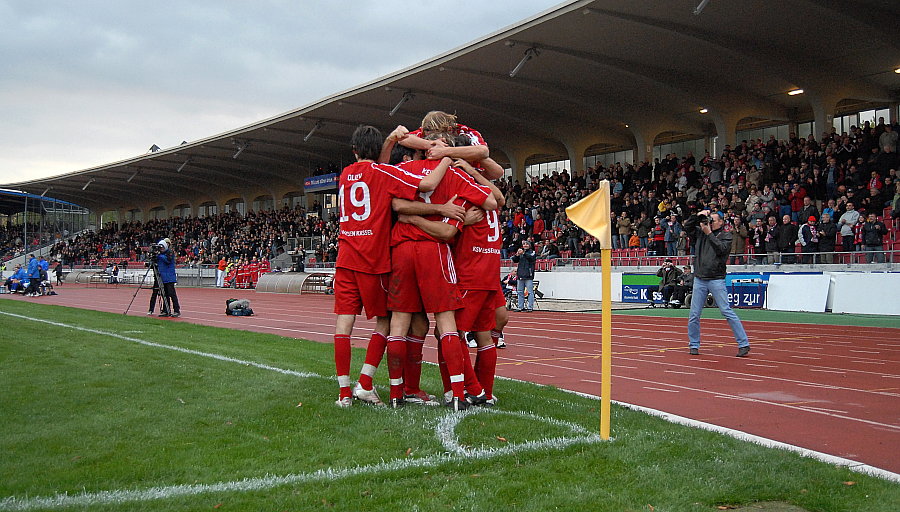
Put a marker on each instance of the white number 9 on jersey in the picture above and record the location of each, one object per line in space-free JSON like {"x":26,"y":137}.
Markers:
{"x":359,"y":198}
{"x":493,"y":223}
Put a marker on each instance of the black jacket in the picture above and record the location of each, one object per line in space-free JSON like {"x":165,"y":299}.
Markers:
{"x":710,"y":251}
{"x":827,"y":236}
{"x":525,"y":270}
{"x":873,"y":233}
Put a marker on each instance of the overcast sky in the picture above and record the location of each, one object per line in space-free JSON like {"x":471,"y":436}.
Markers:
{"x":88,"y":83}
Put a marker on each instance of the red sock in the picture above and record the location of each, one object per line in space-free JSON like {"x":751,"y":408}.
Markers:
{"x":412,"y":371}
{"x":374,"y":353}
{"x":453,"y":354}
{"x":473,"y":387}
{"x":342,"y":362}
{"x":396,"y":355}
{"x":442,"y":365}
{"x":486,"y":368}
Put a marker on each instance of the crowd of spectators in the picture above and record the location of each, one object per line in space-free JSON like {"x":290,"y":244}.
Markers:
{"x":257,"y":235}
{"x":774,"y":195}
{"x":12,"y":243}
{"x":767,"y":190}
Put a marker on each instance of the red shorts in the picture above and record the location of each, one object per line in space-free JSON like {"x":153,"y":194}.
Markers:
{"x":423,"y":278}
{"x":499,"y":299}
{"x":478,"y":312}
{"x":354,"y":290}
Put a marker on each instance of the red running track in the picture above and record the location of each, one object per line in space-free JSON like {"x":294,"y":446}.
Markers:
{"x":832,"y":389}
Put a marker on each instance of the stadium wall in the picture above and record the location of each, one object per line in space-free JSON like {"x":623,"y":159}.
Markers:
{"x":840,"y":292}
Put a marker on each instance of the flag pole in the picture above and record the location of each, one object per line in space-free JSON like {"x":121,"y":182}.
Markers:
{"x":605,"y":342}
{"x":593,"y":214}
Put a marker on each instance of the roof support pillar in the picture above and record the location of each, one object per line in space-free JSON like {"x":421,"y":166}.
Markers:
{"x":823,"y":106}
{"x":576,"y":149}
{"x":517,"y":162}
{"x":643,"y":142}
{"x":726,"y":129}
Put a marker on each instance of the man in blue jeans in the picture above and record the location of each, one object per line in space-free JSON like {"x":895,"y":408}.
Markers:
{"x":525,"y":257}
{"x":713,"y":243}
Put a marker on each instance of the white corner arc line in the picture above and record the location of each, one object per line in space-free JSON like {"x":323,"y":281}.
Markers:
{"x":444,"y":430}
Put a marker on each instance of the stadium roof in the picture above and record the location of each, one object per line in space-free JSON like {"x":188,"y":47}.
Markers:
{"x":12,"y":202}
{"x":602,"y":75}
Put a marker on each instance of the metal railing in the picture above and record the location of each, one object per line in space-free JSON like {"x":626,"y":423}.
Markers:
{"x":830,"y":260}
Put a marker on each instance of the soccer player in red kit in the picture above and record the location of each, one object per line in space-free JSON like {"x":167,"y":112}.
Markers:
{"x":363,"y":263}
{"x":476,"y":253}
{"x":375,"y":349}
{"x":436,"y":122}
{"x":423,"y":278}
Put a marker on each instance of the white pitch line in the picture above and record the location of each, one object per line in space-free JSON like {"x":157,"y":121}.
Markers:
{"x":672,"y":418}
{"x":444,"y":430}
{"x":661,"y":389}
{"x":769,"y":443}
{"x":838,"y":411}
{"x":218,"y":357}
{"x":819,"y":386}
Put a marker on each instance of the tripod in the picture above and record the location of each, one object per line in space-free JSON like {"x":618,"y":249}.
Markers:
{"x":158,"y":288}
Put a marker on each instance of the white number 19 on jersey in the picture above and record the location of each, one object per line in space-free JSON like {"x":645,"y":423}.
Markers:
{"x":359,"y":198}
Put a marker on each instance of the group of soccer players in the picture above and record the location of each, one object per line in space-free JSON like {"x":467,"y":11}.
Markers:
{"x":419,"y":235}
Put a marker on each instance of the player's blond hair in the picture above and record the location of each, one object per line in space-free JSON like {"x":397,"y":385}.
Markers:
{"x":437,"y":121}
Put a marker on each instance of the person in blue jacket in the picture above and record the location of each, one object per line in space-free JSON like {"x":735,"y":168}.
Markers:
{"x":34,"y":276}
{"x":18,"y":280}
{"x":165,"y":262}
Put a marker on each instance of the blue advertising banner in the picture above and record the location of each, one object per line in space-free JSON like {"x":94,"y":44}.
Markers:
{"x":320,"y":183}
{"x":640,"y":288}
{"x":747,"y":289}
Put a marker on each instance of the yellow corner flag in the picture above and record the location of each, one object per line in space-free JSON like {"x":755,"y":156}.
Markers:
{"x":592,"y":214}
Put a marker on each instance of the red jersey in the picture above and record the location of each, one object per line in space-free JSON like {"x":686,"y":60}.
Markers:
{"x":476,"y":254}
{"x":455,"y":183}
{"x":364,"y":203}
{"x":474,"y":136}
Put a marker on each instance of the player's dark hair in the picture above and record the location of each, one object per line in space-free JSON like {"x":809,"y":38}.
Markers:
{"x":399,"y":152}
{"x":366,"y":142}
{"x":462,"y":140}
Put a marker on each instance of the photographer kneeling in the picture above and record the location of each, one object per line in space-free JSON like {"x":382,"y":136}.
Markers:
{"x":165,"y":265}
{"x":669,"y":274}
